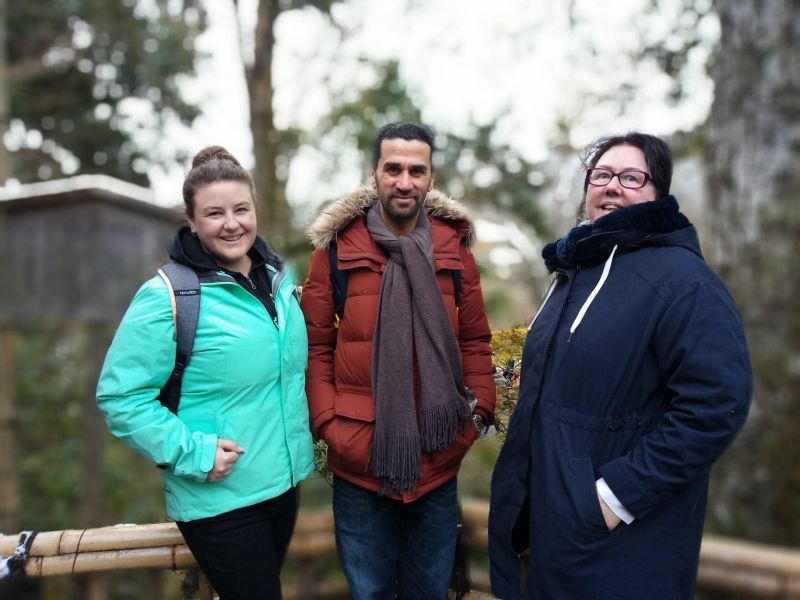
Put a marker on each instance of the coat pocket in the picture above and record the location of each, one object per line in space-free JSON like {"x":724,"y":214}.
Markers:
{"x":451,"y":457}
{"x":587,"y":500}
{"x":349,"y":436}
{"x":576,"y":519}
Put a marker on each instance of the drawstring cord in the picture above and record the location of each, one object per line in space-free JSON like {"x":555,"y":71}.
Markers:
{"x":590,"y":299}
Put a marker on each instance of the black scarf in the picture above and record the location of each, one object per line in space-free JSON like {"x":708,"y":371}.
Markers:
{"x":628,"y":228}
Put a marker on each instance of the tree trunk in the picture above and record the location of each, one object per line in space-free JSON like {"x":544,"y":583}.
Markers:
{"x":274,"y":216}
{"x":96,"y":339}
{"x":753,"y":184}
{"x":9,"y":499}
{"x":4,"y":168}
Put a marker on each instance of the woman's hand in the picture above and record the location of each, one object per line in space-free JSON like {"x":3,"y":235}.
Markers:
{"x":227,"y":454}
{"x":612,"y":520}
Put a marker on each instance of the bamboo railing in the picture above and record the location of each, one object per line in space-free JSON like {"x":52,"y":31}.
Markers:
{"x":159,"y":546}
{"x":726,"y":565}
{"x":748,"y":568}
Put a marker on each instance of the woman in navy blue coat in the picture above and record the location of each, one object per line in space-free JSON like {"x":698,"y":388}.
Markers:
{"x":635,"y":378}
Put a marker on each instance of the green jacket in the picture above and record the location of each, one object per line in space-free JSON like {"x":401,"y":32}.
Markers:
{"x":245,"y":382}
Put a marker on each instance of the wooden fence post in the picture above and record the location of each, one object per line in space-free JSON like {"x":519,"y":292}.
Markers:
{"x":9,"y":495}
{"x":206,"y":590}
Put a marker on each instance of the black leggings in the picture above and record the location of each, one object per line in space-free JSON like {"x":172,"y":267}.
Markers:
{"x":241,"y":551}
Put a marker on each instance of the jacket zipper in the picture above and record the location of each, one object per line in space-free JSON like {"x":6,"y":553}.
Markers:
{"x":271,"y":295}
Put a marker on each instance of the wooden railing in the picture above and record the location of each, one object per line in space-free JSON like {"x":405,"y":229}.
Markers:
{"x":161,"y":546}
{"x":726,"y":565}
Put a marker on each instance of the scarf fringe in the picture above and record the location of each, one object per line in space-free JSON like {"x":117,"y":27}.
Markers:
{"x":397,"y":462}
{"x":439,"y":425}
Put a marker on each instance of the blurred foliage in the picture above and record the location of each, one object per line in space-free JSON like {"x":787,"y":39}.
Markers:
{"x":507,"y":358}
{"x":495,"y":301}
{"x":686,"y":34}
{"x":50,"y":418}
{"x":49,"y":426}
{"x":93,"y":84}
{"x":490,"y":177}
{"x":273,"y":148}
{"x":52,"y":382}
{"x":471,"y":166}
{"x":355,"y":120}
{"x":321,"y":461}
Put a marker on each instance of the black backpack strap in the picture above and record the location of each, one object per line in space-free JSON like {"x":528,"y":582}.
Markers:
{"x":185,"y":297}
{"x":457,"y":286}
{"x":338,"y":283}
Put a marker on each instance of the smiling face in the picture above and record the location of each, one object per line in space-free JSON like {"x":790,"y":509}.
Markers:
{"x":224,"y":219}
{"x":602,"y":200}
{"x":403,"y":177}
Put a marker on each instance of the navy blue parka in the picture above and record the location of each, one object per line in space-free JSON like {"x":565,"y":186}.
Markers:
{"x":635,"y":370}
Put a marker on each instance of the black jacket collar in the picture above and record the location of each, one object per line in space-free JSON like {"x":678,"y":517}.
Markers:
{"x":187,"y":249}
{"x":656,"y":223}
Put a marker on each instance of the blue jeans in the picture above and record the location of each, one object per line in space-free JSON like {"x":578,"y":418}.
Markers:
{"x":389,"y":549}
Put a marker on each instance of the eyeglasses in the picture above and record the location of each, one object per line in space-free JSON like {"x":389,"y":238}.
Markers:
{"x":629,"y":178}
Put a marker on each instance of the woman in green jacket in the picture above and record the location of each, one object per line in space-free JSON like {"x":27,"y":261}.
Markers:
{"x":239,"y":444}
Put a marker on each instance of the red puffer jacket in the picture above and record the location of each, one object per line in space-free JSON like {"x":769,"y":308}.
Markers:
{"x":339,"y":376}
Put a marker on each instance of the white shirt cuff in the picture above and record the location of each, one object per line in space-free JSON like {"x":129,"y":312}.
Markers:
{"x":613,"y":502}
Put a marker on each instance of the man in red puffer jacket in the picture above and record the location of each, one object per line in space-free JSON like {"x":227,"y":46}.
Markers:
{"x":401,"y":386}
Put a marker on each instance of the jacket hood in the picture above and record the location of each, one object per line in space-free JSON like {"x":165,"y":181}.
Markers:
{"x":336,"y":216}
{"x":186,"y":249}
{"x":656,"y":223}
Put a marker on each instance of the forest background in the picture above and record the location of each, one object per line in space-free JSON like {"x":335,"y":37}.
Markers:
{"x":133,"y":88}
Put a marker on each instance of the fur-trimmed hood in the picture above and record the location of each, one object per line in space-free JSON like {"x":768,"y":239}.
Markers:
{"x":336,"y":216}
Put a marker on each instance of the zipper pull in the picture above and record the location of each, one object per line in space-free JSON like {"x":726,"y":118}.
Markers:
{"x":250,"y":281}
